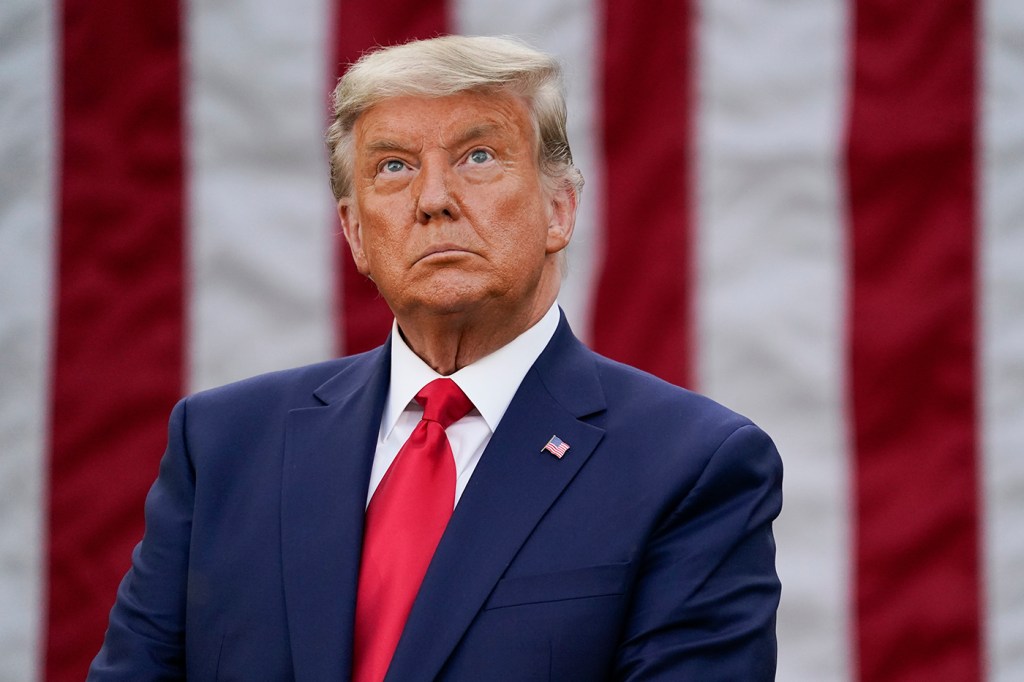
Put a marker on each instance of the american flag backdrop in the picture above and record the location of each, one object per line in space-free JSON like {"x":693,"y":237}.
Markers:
{"x":811,"y":210}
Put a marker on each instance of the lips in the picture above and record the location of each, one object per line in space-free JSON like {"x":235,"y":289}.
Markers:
{"x":443,"y":249}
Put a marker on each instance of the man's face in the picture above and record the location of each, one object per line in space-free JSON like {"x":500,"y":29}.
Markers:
{"x":448,"y":209}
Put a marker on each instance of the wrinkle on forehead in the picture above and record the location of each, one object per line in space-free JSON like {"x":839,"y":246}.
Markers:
{"x":447,"y":129}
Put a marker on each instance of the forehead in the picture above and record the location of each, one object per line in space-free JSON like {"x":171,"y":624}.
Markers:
{"x":411,"y":119}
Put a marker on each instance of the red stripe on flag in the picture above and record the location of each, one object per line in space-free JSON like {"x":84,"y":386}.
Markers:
{"x":642,"y":310}
{"x":361,"y":25}
{"x":119,"y":326}
{"x":913,"y":207}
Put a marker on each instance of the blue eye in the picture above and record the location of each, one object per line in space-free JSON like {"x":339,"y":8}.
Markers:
{"x":392,"y":166}
{"x":479,"y":156}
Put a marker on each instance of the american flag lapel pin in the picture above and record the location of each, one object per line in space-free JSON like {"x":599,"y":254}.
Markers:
{"x":556,"y":446}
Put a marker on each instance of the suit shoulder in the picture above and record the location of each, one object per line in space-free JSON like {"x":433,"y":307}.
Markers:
{"x":668,"y":435}
{"x":295,"y":386}
{"x":648,"y":399}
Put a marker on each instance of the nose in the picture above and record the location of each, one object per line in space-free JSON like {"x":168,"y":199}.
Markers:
{"x":434,"y":200}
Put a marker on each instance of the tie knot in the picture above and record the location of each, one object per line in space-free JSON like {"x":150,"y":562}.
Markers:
{"x":443,"y":402}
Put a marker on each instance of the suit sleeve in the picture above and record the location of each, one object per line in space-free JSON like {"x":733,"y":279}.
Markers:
{"x":145,"y":640}
{"x":707,"y":592}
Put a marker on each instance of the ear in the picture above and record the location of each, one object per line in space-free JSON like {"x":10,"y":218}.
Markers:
{"x":562,"y":209}
{"x":348,"y":214}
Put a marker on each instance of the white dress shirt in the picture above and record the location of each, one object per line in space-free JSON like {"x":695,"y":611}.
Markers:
{"x":490,"y":383}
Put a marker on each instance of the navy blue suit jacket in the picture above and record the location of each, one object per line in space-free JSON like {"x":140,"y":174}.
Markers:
{"x":645,"y":553}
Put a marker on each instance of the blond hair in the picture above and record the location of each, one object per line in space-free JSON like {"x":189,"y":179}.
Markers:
{"x":446,"y":66}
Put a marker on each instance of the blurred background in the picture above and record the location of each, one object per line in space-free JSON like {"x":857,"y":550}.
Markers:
{"x":811,"y":210}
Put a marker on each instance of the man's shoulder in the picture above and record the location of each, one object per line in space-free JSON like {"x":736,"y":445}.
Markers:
{"x":623,"y":377}
{"x":642,"y":398}
{"x":293,"y":387}
{"x":633,"y":397}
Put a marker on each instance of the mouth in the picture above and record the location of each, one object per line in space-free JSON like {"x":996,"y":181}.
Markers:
{"x":442,"y":251}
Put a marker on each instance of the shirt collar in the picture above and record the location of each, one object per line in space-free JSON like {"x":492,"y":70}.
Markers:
{"x":490,"y":383}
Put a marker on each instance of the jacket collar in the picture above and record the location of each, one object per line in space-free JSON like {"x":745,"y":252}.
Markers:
{"x":328,"y":453}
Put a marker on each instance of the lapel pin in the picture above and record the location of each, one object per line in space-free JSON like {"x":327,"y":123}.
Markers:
{"x":556,"y":446}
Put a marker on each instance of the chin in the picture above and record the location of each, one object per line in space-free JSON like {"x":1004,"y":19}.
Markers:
{"x":451,"y":293}
{"x":447,"y":305}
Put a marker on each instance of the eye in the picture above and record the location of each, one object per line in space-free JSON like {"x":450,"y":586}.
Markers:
{"x":479,"y":156}
{"x":391,"y":166}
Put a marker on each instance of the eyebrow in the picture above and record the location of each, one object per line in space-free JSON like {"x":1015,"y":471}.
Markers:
{"x":386,"y":145}
{"x":475,"y":132}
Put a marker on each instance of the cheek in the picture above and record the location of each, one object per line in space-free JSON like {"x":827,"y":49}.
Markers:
{"x":385,"y":260}
{"x":391,"y":214}
{"x":524,"y":224}
{"x":384,"y":234}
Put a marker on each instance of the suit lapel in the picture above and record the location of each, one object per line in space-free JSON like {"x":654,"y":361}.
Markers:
{"x":511,"y":489}
{"x":328,"y":454}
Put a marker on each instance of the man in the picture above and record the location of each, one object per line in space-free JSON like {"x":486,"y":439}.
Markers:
{"x":606,"y":525}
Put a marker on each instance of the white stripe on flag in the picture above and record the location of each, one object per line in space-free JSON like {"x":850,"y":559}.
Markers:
{"x":568,"y":29}
{"x":261,"y":245}
{"x":27,"y":148}
{"x":1002,"y":330}
{"x":771,"y":287}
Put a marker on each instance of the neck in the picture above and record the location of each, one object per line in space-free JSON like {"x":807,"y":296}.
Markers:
{"x":450,"y":341}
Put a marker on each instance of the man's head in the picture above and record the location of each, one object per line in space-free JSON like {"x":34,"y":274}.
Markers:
{"x":447,"y":66}
{"x":455,"y":184}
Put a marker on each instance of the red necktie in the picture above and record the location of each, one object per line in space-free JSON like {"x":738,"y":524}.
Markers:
{"x":404,"y":522}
